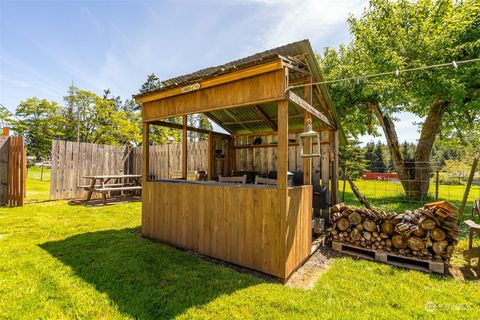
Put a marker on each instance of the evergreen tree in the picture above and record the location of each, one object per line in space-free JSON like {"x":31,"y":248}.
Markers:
{"x":152,"y":83}
{"x":379,"y":161}
{"x":369,"y":156}
{"x":352,"y":160}
{"x":406,"y":152}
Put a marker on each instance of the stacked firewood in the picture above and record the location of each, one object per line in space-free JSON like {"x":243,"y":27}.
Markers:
{"x":425,"y":233}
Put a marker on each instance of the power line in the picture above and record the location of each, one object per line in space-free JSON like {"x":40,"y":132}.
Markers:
{"x":397,"y":72}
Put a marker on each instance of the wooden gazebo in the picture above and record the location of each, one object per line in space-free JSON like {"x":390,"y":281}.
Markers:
{"x":263,"y":227}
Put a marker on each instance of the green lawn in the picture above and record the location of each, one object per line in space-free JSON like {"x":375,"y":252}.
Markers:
{"x":38,"y":184}
{"x":62,"y":261}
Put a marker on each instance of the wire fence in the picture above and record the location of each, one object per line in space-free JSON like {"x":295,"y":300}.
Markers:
{"x":386,"y":189}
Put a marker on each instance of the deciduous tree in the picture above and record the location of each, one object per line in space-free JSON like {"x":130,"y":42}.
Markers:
{"x":394,"y":35}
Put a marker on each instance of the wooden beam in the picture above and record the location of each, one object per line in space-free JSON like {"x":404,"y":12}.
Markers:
{"x":189,"y":128}
{"x":244,"y":121}
{"x":145,"y":152}
{"x":334,"y":175}
{"x":307,"y":143}
{"x":210,"y":157}
{"x":282,"y":160}
{"x":232,"y":156}
{"x":300,"y":80}
{"x":264,"y":117}
{"x":308,"y":107}
{"x":184,"y":148}
{"x":218,"y":122}
{"x":291,"y":144}
{"x":235,"y":118}
{"x":213,"y":81}
{"x":296,"y":69}
{"x":325,"y":172}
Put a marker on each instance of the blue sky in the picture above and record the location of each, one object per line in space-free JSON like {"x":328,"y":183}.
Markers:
{"x":45,"y":45}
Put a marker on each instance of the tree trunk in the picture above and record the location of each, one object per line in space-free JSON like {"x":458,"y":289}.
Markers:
{"x":414,"y":176}
{"x":430,"y":129}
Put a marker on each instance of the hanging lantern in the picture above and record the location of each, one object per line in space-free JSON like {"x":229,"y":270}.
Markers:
{"x":309,"y":134}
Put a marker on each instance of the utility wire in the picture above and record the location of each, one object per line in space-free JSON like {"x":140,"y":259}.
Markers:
{"x":397,"y":72}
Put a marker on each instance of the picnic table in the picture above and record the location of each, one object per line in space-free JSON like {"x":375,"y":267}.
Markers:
{"x":107,"y":183}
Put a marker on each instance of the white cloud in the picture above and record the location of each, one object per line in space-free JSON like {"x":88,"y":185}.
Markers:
{"x":293,"y":20}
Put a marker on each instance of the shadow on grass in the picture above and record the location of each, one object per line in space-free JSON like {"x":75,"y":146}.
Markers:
{"x":98,"y":202}
{"x":146,"y":280}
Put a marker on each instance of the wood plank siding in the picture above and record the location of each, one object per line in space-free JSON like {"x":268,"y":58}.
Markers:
{"x":253,"y":90}
{"x":242,"y":225}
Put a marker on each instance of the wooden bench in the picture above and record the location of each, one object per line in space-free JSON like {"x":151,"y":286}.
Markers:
{"x":120,"y":184}
{"x":85,"y":187}
{"x":239,"y":180}
{"x":265,"y":181}
{"x":107,"y":189}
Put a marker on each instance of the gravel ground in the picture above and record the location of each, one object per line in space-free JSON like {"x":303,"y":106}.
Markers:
{"x":307,"y":275}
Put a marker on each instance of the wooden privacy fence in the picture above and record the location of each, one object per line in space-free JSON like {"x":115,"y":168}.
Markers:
{"x":72,"y":161}
{"x":13,"y":161}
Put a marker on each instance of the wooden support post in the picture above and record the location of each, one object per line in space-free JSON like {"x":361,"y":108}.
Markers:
{"x":307,"y":143}
{"x":210,"y":156}
{"x":145,"y":151}
{"x":5,"y":131}
{"x":282,"y":161}
{"x":334,"y":172}
{"x":325,"y":171}
{"x":184,"y":147}
{"x":232,"y":156}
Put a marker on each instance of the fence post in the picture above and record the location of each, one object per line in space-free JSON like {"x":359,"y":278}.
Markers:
{"x":436,"y":185}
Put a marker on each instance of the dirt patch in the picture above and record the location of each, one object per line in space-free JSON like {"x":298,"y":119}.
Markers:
{"x":307,"y":275}
{"x":465,"y":272}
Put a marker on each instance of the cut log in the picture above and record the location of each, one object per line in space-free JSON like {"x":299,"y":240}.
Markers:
{"x":399,"y":242}
{"x":355,"y":235}
{"x":419,"y":232}
{"x":387,"y":227}
{"x":343,"y":224}
{"x":427,"y":224}
{"x":439,"y":247}
{"x":339,"y":207}
{"x":369,"y":225}
{"x":438,"y":234}
{"x":367,"y":235}
{"x":355,"y":218}
{"x":415,"y":243}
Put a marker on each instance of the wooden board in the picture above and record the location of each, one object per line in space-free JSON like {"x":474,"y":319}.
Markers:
{"x":16,"y":171}
{"x":3,"y":169}
{"x":390,"y":258}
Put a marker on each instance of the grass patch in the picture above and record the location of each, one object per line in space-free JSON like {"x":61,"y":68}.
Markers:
{"x":61,"y":261}
{"x":64,"y":261}
{"x":38,"y":184}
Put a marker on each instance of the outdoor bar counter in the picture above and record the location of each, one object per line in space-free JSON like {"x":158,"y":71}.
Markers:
{"x":248,"y":225}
